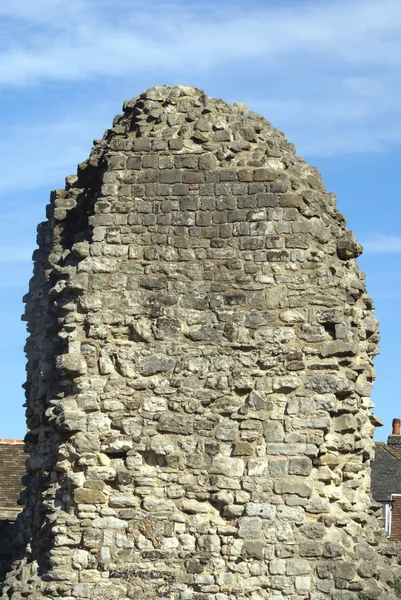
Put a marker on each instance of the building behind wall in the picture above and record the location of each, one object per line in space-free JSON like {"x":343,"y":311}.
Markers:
{"x":386,"y":481}
{"x":12,"y":469}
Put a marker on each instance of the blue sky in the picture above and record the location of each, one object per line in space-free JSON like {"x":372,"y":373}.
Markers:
{"x":326,"y":72}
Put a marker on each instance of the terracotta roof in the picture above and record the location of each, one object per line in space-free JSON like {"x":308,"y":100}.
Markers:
{"x":12,"y":469}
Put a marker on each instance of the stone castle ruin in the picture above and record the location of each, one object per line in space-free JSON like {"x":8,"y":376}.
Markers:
{"x":200,"y":362}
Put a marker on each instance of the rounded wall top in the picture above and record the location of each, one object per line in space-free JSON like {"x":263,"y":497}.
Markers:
{"x":189,"y":121}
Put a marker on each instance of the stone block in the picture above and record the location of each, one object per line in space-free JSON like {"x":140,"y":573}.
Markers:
{"x":293,"y":485}
{"x":273,"y":431}
{"x":262,"y":510}
{"x":225,"y":465}
{"x":345,"y":423}
{"x":298,"y":566}
{"x":109,"y":523}
{"x":179,"y":424}
{"x":300,"y":466}
{"x":250,"y":528}
{"x":170,"y":176}
{"x":72,"y":363}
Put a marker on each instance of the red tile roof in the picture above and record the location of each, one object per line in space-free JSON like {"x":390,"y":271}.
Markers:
{"x":12,"y":468}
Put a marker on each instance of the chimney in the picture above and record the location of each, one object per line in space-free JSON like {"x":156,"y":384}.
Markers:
{"x":394,"y":440}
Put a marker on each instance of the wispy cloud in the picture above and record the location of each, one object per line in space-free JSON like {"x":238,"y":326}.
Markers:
{"x":362,"y":115}
{"x":83,"y":38}
{"x":327,"y":73}
{"x":382,"y":244}
{"x":54,"y":149}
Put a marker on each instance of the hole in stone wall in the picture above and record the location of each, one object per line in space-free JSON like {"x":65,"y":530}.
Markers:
{"x":154,"y":460}
{"x":331,"y":329}
{"x":114,"y":455}
{"x":245,"y":348}
{"x":117,"y":424}
{"x":76,"y":221}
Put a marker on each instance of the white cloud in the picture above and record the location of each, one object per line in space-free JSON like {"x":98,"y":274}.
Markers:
{"x":80,"y":39}
{"x":382,"y":244}
{"x":362,"y":115}
{"x":328,"y":72}
{"x":44,"y":153}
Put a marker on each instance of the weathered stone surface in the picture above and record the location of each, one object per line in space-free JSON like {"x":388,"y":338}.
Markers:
{"x":199,"y":361}
{"x":233,"y":467}
{"x":72,"y":363}
{"x":348,"y":247}
{"x":88,"y":496}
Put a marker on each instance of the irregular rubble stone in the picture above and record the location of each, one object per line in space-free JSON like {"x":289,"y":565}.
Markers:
{"x":199,"y":361}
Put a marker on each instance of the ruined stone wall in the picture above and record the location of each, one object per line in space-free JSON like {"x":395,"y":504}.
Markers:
{"x":200,"y":365}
